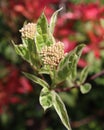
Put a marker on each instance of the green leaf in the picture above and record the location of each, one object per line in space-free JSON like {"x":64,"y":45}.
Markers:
{"x":45,"y":70}
{"x":61,"y":110}
{"x":68,"y":65}
{"x":73,"y":67}
{"x":78,"y":50}
{"x":102,"y":22}
{"x":41,"y":31}
{"x":34,"y":58}
{"x":85,"y":88}
{"x":22,"y":51}
{"x":45,"y":98}
{"x":36,"y":80}
{"x":53,"y":20}
{"x":3,"y":72}
{"x":28,"y":52}
{"x":84,"y":74}
{"x":63,"y":69}
{"x":74,"y":60}
{"x":24,"y":41}
{"x":5,"y":118}
{"x":42,"y":24}
{"x":43,"y":36}
{"x":69,"y":98}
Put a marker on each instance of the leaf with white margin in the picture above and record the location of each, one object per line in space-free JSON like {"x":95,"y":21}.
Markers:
{"x":36,"y":80}
{"x":85,"y":88}
{"x":45,"y":98}
{"x":61,"y":110}
{"x":53,"y":20}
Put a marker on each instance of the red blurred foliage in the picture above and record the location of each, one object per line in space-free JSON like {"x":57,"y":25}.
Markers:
{"x":62,"y":32}
{"x":82,"y":13}
{"x":31,"y":9}
{"x":11,"y":86}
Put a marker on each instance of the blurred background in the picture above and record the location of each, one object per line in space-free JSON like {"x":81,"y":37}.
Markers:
{"x":80,"y":21}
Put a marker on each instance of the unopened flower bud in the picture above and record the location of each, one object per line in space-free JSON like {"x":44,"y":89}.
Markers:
{"x":51,"y":55}
{"x":28,"y":30}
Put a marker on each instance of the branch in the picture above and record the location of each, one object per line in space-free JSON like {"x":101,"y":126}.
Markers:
{"x":67,"y":89}
{"x":76,"y":124}
{"x":96,"y":75}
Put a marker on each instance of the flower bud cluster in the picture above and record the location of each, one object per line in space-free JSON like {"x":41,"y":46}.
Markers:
{"x":51,"y":55}
{"x":28,"y":30}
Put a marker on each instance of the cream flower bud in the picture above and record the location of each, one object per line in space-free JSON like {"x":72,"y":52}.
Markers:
{"x":51,"y":55}
{"x":28,"y":30}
